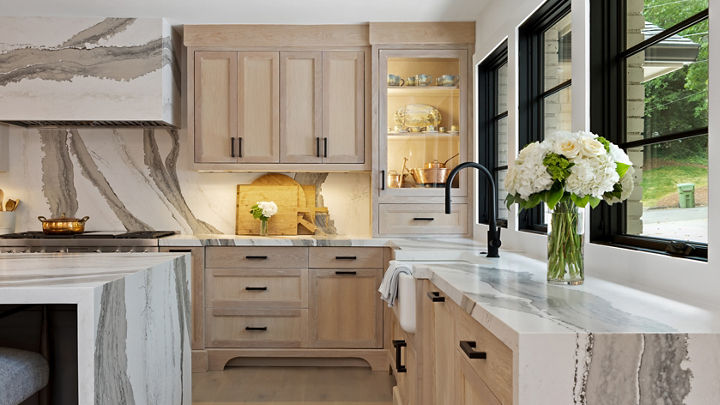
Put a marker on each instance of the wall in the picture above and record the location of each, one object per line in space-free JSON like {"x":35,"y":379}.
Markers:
{"x":689,"y":280}
{"x":134,"y":179}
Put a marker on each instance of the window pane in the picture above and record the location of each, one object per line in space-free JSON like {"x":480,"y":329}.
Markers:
{"x":502,"y":138}
{"x":502,"y":89}
{"x":671,"y":191}
{"x":667,"y":86}
{"x":502,"y":211}
{"x":646,"y":18}
{"x":557,"y":112}
{"x":556,"y":57}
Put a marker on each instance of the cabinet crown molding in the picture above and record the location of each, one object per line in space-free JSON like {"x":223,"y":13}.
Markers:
{"x":422,"y":33}
{"x":268,"y":35}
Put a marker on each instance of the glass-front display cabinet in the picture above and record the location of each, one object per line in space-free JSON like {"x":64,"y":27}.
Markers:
{"x":423,"y":121}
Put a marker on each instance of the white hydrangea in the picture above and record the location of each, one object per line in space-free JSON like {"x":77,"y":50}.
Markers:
{"x":628,"y":184}
{"x":593,"y":176}
{"x":269,"y":208}
{"x":528,"y":175}
{"x":619,"y":155}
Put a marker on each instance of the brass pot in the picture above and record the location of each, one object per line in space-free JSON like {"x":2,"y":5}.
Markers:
{"x":433,"y":177}
{"x":63,"y":225}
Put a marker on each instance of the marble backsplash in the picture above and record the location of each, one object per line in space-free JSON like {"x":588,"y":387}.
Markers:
{"x":136,"y":179}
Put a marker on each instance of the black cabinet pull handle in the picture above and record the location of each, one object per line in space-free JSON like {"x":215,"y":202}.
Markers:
{"x":317,"y":146}
{"x":423,"y":219}
{"x":240,"y":146}
{"x":345,"y":257}
{"x":180,"y":250}
{"x":382,"y":177}
{"x":256,"y":257}
{"x":399,"y":344}
{"x":232,"y":146}
{"x":469,"y":349}
{"x":256,"y":328}
{"x":324,"y":147}
{"x":435,"y":296}
{"x":256,"y":288}
{"x":346,"y":273}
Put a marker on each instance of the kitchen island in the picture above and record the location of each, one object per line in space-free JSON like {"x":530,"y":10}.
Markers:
{"x":132,"y":319}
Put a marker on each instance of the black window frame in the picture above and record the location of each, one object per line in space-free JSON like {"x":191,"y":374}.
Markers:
{"x":488,"y":118}
{"x":531,"y":90}
{"x":608,"y":55}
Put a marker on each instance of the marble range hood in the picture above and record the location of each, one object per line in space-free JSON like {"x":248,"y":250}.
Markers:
{"x":88,"y":72}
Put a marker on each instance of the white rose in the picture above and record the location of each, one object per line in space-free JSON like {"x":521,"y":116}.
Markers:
{"x":563,"y":143}
{"x":591,"y":147}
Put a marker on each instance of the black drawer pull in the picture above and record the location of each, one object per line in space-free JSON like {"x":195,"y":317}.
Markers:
{"x":423,"y":219}
{"x":256,"y":288}
{"x":256,"y":257}
{"x":256,"y":328}
{"x":346,"y":273}
{"x":324,"y":147}
{"x":180,"y":250}
{"x":382,"y":179}
{"x":232,"y":146}
{"x":399,"y":344}
{"x":240,"y":147}
{"x":317,"y":146}
{"x":435,"y":296}
{"x":469,"y":349}
{"x":345,"y":257}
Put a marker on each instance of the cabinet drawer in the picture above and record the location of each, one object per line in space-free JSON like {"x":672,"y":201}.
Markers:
{"x":256,"y":257}
{"x":414,"y":219}
{"x":257,"y":287}
{"x":497,"y":369}
{"x":346,"y":257}
{"x":256,"y":328}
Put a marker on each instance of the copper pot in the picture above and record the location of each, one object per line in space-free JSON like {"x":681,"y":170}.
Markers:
{"x":433,"y":177}
{"x":63,"y":225}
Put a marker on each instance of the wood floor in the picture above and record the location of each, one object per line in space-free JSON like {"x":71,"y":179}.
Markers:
{"x":292,"y":386}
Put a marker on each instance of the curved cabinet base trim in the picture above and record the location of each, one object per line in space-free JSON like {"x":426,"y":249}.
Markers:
{"x":375,"y":358}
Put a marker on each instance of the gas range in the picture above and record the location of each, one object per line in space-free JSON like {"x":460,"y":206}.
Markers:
{"x":101,"y":242}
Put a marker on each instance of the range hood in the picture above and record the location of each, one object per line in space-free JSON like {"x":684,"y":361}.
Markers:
{"x":88,"y":72}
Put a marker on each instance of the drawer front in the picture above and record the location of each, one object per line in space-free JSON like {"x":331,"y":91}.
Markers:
{"x":417,"y":219}
{"x":224,"y":257}
{"x":346,"y":258}
{"x":257,"y":287}
{"x":256,"y":328}
{"x":497,"y":369}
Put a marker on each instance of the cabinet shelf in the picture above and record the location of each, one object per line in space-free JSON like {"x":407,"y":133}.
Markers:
{"x":424,"y":91}
{"x":423,"y":135}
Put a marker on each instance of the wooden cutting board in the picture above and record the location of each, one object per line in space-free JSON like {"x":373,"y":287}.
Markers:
{"x":276,"y":179}
{"x":283,"y":223}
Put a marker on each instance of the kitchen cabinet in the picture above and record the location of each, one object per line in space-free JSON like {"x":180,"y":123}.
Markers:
{"x":258,"y":107}
{"x":293,"y":302}
{"x":403,"y":363}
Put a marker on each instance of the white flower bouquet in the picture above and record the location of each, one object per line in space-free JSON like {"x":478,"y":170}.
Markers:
{"x":263,"y":210}
{"x":566,"y":171}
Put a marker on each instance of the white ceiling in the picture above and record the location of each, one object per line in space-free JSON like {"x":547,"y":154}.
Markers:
{"x":254,"y":11}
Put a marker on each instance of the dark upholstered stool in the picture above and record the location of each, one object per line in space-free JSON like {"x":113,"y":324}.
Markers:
{"x":22,"y":374}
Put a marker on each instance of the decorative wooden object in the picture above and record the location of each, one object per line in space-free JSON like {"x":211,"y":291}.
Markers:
{"x":282,"y":223}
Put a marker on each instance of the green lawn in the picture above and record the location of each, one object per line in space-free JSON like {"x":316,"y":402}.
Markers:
{"x":662,"y":181}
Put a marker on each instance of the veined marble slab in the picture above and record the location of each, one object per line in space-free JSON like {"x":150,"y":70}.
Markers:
{"x":599,"y":343}
{"x":133,"y":319}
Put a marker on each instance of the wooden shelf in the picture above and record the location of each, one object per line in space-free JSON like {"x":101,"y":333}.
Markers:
{"x":424,"y":91}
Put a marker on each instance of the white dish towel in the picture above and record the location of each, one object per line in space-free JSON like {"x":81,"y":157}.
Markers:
{"x":389,"y":286}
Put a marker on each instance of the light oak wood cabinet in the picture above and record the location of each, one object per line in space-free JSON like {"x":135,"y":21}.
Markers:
{"x":343,"y":106}
{"x":258,"y":107}
{"x":346,"y":310}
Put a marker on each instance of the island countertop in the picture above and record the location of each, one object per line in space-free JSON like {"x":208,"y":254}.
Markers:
{"x":112,"y":292}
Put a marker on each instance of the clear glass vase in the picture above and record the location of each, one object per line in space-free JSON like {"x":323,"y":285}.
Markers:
{"x":263,"y":227}
{"x":566,"y":231}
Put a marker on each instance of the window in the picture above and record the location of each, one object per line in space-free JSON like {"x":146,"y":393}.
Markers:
{"x":544,"y":58}
{"x":493,"y":129}
{"x":649,"y":94}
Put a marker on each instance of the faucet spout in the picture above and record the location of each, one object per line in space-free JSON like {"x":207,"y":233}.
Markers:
{"x":493,"y":231}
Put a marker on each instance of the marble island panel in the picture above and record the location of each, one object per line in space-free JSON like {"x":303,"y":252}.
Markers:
{"x":133,"y":319}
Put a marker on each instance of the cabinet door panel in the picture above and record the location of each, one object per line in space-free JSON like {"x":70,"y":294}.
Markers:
{"x":345,"y":308}
{"x":470,"y":389}
{"x":444,"y":335}
{"x":215,"y":106}
{"x":344,"y":107}
{"x":258,"y":107}
{"x":300,"y":107}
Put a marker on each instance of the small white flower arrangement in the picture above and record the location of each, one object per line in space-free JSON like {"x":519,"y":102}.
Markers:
{"x":263,"y":210}
{"x":580,"y":167}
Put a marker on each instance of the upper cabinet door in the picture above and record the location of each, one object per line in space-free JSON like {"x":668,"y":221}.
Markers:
{"x":215,"y":107}
{"x":343,"y":107}
{"x":258,"y":107}
{"x":300,"y":107}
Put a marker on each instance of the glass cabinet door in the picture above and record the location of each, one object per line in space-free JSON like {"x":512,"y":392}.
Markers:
{"x":423,"y":120}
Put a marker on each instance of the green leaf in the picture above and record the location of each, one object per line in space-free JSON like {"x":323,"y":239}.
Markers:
{"x":621,"y":169}
{"x":509,"y":200}
{"x":554,"y":195}
{"x":580,"y":201}
{"x":534,"y":200}
{"x":594,"y":201}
